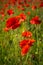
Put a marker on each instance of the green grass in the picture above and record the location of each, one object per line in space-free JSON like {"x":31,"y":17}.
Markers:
{"x":9,"y":41}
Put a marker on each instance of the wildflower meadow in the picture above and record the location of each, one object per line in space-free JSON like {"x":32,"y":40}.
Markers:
{"x":21,"y":32}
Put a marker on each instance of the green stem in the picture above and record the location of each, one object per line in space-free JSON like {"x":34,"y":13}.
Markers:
{"x":26,"y":59}
{"x":37,"y":42}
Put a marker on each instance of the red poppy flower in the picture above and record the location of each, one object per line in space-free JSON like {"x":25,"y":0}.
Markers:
{"x":41,"y":4}
{"x":27,"y":34}
{"x":19,"y":7}
{"x":6,"y":5}
{"x":23,"y":16}
{"x":25,"y":1}
{"x":12,"y":23}
{"x":26,"y":42}
{"x":35,"y":20}
{"x":31,"y":41}
{"x":34,"y":7}
{"x":19,"y":2}
{"x":25,"y":49}
{"x":10,"y":12}
{"x":23,"y":43}
{"x":22,"y":9}
{"x":28,"y":13}
{"x":27,"y":5}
